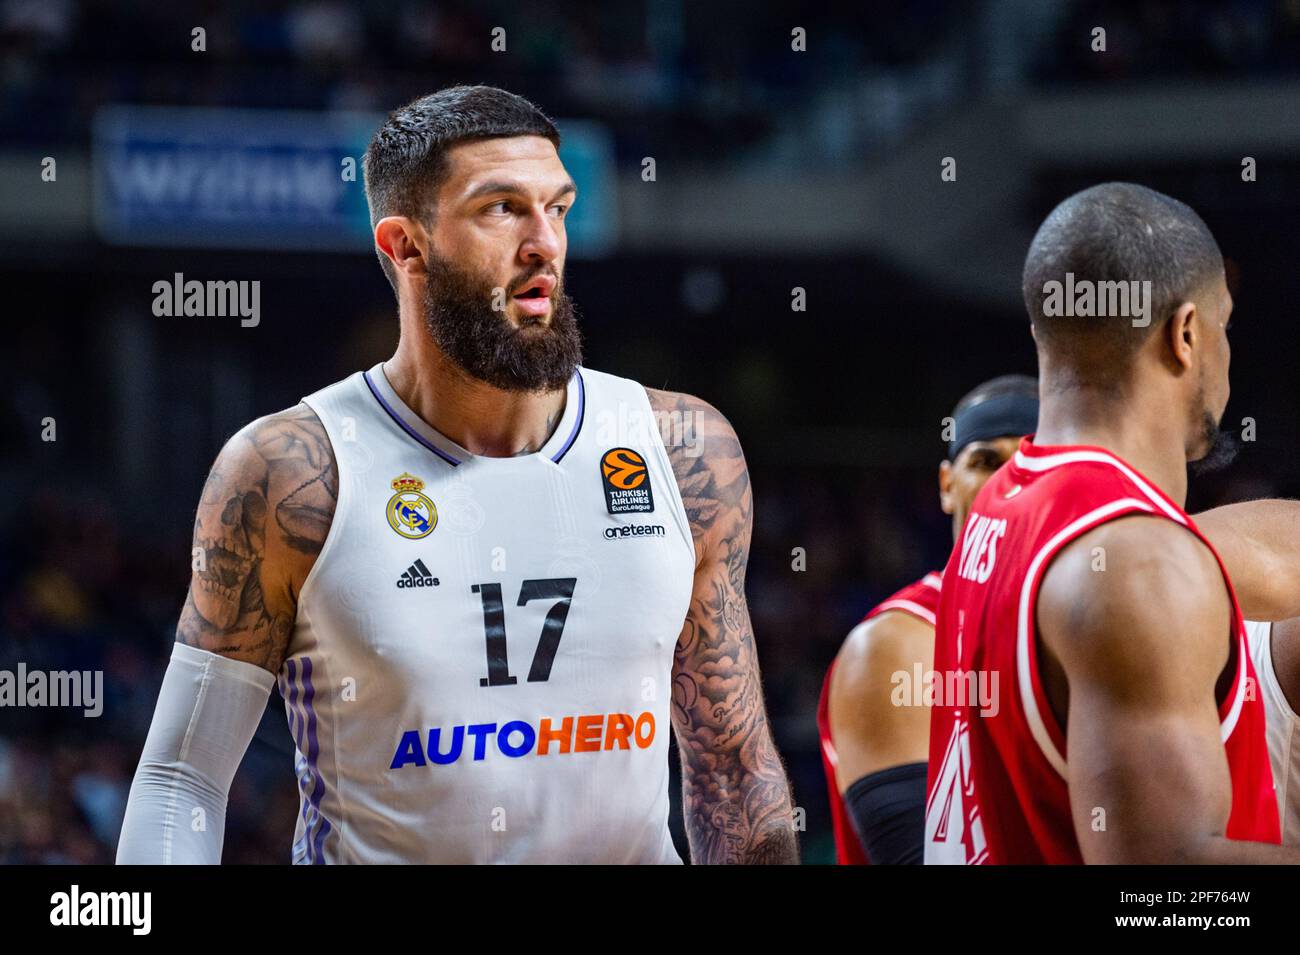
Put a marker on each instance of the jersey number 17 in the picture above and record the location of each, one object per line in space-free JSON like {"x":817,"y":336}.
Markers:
{"x":559,"y":589}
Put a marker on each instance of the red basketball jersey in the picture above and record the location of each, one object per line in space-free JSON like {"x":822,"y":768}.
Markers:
{"x":921,"y":600}
{"x":996,"y":780}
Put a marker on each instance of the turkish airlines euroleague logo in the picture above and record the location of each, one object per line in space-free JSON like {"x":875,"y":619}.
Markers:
{"x":627,"y":481}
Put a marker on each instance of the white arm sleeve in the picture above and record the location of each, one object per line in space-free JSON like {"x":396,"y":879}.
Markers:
{"x":208,"y":709}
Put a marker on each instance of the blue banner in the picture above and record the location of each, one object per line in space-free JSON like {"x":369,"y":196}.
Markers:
{"x":233,"y":178}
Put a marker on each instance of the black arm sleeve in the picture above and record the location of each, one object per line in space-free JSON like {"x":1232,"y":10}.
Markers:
{"x":888,"y":812}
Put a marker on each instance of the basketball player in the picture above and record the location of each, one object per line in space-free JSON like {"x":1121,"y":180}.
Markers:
{"x":1246,"y":537}
{"x":1083,"y":613}
{"x":874,"y":749}
{"x":481,"y":576}
{"x":1275,"y":653}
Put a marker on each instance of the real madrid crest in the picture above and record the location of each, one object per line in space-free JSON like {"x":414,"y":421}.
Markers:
{"x":410,"y":512}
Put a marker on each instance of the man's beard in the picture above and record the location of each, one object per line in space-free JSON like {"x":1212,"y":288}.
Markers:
{"x":1221,"y":448}
{"x":485,"y":345}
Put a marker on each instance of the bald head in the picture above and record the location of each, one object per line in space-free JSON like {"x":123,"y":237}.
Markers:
{"x":1103,"y":240}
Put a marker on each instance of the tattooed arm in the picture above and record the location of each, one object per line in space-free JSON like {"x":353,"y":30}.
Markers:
{"x":263,"y":517}
{"x":735,"y":795}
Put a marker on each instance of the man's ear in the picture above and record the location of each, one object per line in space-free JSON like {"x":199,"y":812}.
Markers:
{"x":945,"y":488}
{"x":1182,"y":334}
{"x":404,"y":241}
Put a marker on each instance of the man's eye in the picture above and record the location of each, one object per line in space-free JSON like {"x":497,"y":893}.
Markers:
{"x":560,"y":210}
{"x":502,"y":206}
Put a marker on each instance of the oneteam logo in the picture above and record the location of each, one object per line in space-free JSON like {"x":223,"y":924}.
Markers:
{"x":634,"y":530}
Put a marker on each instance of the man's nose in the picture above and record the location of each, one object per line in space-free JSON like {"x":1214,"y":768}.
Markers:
{"x":543,"y":242}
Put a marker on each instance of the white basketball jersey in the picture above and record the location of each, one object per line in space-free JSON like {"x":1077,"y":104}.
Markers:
{"x":480,"y":670}
{"x":1283,"y":731}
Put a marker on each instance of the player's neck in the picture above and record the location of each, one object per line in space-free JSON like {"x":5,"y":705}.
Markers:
{"x":483,"y":420}
{"x":1120,"y":425}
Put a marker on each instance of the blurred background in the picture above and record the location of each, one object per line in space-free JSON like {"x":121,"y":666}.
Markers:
{"x":774,"y":170}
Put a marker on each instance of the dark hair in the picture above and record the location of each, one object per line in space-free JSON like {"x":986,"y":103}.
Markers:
{"x":1025,"y":385}
{"x":1116,"y":232}
{"x":406,"y":160}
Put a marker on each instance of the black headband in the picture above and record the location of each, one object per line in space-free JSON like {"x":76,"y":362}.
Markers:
{"x":1002,"y":416}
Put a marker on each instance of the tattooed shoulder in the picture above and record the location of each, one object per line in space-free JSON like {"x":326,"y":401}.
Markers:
{"x":710,"y":468}
{"x":262,"y":519}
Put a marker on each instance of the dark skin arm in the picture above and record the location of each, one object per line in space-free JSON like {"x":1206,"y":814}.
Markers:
{"x":1135,"y":668}
{"x":871,"y":733}
{"x":735,"y":795}
{"x":1259,"y":542}
{"x":266,"y":508}
{"x":1285,"y":645}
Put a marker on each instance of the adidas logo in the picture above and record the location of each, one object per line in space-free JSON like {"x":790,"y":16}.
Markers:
{"x":417,"y":575}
